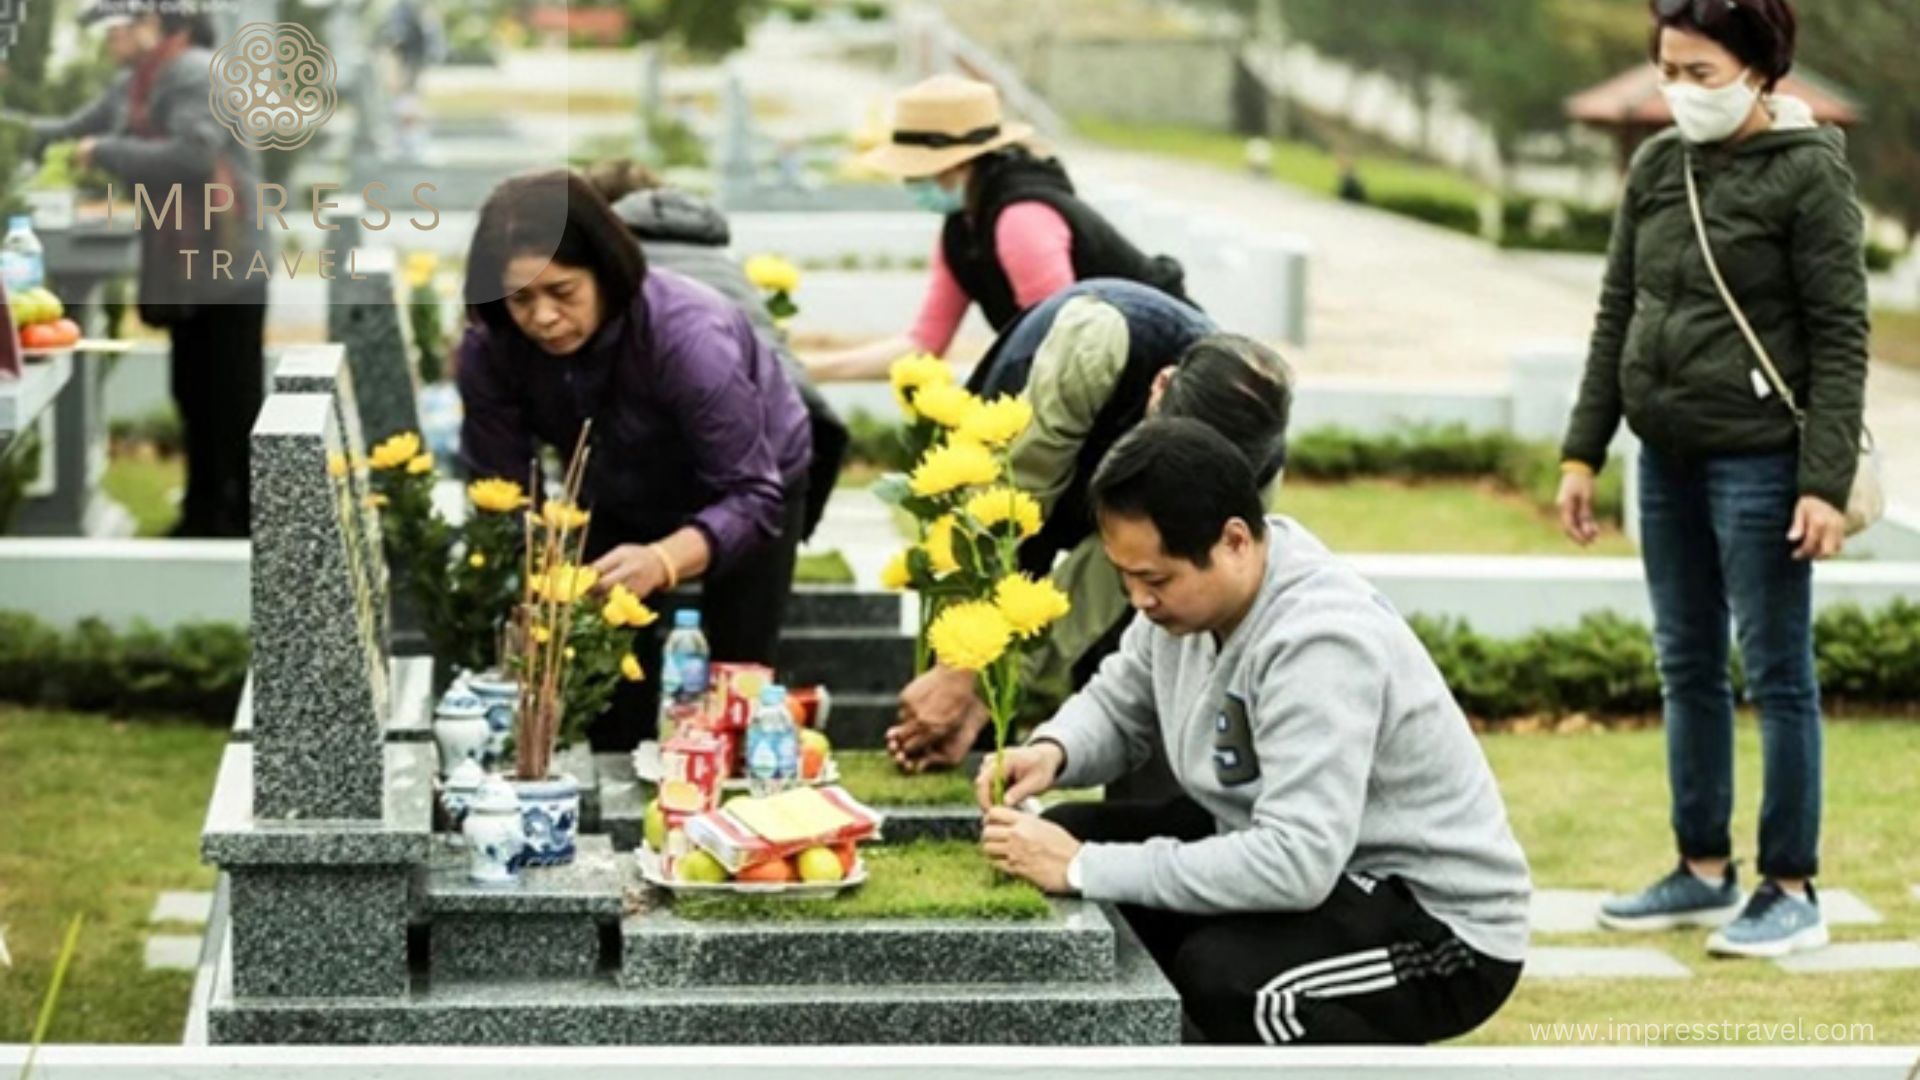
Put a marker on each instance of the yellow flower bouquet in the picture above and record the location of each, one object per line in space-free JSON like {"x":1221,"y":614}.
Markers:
{"x":978,"y":613}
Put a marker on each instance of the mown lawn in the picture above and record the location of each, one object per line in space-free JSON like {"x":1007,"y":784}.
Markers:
{"x":1896,"y":338}
{"x":1591,"y":812}
{"x":1299,"y":164}
{"x":148,"y":486}
{"x":1451,"y":517}
{"x":101,"y":817}
{"x":104,"y":816}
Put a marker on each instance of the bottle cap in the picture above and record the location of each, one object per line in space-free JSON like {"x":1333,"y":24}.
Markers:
{"x":687,"y":619}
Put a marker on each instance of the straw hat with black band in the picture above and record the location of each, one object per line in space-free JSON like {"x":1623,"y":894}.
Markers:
{"x":940,"y":123}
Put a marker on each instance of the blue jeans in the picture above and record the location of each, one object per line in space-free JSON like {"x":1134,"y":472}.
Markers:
{"x":1714,"y":540}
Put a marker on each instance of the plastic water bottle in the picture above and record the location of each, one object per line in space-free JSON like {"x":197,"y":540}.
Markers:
{"x":683,"y":672}
{"x":23,"y":262}
{"x":773,"y":746}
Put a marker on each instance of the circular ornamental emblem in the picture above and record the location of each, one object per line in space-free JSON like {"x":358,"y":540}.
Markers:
{"x":273,"y":86}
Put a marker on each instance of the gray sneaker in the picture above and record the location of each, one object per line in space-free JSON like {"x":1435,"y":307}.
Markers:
{"x":1679,"y":899}
{"x":1774,"y":924}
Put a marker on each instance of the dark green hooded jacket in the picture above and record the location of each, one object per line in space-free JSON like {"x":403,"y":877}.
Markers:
{"x":1667,"y":355}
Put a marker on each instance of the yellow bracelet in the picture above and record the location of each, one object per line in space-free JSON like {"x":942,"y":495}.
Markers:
{"x":1576,"y":467}
{"x":666,"y":563}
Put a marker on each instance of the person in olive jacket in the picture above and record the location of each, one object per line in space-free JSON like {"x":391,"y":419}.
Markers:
{"x":1736,"y":500}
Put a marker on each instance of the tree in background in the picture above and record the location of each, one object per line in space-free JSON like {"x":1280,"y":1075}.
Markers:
{"x":1866,"y":46}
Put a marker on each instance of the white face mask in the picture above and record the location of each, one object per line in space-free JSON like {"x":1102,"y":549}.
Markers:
{"x":1710,"y":115}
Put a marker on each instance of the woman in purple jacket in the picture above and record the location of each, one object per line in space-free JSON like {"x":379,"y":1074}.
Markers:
{"x":700,"y":443}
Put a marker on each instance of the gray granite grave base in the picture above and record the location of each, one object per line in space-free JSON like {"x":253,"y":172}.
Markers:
{"x":482,"y":947}
{"x":234,"y":837}
{"x":546,"y":927}
{"x":1138,"y":1007}
{"x":320,"y":933}
{"x":623,"y":801}
{"x":663,"y":950}
{"x":905,"y":824}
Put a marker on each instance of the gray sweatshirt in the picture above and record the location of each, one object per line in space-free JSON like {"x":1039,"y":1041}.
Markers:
{"x":1321,"y":738}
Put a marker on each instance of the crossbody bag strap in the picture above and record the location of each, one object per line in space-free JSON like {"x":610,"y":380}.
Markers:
{"x":1740,"y":317}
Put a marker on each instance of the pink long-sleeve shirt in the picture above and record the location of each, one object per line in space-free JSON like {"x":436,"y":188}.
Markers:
{"x":1035,"y":246}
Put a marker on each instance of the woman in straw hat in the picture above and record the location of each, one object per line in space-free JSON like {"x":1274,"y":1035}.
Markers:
{"x":1015,"y":233}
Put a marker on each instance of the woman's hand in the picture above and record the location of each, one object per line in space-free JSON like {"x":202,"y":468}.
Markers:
{"x":637,"y":566}
{"x":1576,"y":507}
{"x":940,"y":713}
{"x":1819,"y":531}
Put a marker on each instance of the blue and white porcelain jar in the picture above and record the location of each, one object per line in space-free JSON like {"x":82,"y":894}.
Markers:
{"x":496,"y":840}
{"x":502,"y":697}
{"x":461,"y":787}
{"x":462,"y":731}
{"x":550,"y":816}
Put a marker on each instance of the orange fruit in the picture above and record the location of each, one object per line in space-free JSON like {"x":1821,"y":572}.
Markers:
{"x":848,"y":856}
{"x":772,"y":872}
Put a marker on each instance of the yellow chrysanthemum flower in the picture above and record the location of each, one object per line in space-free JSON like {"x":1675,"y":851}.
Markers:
{"x":896,"y":576}
{"x":377,"y":501}
{"x":970,"y":636}
{"x":946,"y":404}
{"x":939,"y":545}
{"x":1030,"y":606}
{"x":336,"y":464}
{"x":542,"y":635}
{"x":567,"y":652}
{"x":1004,"y":504}
{"x":956,"y":465}
{"x":562,"y":515}
{"x":396,"y":451}
{"x":477,"y":560}
{"x":625,"y":609}
{"x":630,"y":668}
{"x":420,"y":465}
{"x":566,"y":583}
{"x":998,"y":422}
{"x":909,"y":374}
{"x":421,"y":266}
{"x":496,"y":496}
{"x":771,"y":273}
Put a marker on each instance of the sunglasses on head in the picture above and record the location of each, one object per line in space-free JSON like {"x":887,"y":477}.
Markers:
{"x":1706,"y":13}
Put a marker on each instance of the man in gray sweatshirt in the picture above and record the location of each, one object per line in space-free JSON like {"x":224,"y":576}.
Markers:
{"x":1339,"y":867}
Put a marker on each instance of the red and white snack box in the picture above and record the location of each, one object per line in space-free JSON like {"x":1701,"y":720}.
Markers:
{"x":749,"y":832}
{"x":693,"y":764}
{"x":734,"y":692}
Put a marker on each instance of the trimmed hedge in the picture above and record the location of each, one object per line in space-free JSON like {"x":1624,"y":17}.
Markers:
{"x":1605,"y":665}
{"x":195,"y":669}
{"x":1429,"y":452}
{"x":1455,"y":214}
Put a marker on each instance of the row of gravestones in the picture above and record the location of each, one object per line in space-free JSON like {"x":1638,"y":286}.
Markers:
{"x":347,"y":918}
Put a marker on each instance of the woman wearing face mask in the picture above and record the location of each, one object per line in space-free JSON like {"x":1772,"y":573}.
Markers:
{"x":1738,"y":496}
{"x":1014,"y":232}
{"x":700,"y":442}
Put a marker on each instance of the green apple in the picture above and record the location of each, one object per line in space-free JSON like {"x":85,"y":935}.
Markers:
{"x":654,"y":827}
{"x":819,"y":864}
{"x":700,"y":866}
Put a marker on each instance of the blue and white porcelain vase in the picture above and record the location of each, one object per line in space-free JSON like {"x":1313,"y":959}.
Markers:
{"x":462,"y":731}
{"x":457,"y":794}
{"x":496,"y":839}
{"x":550,"y":816}
{"x":502,"y":698}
